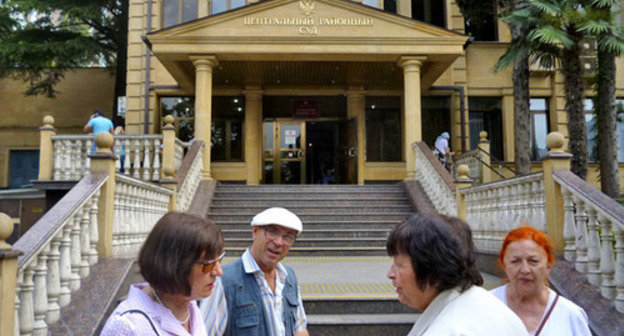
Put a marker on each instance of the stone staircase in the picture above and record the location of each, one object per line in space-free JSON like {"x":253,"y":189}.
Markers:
{"x":340,"y":257}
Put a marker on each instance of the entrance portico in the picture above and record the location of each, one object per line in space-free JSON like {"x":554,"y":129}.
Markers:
{"x":281,"y":48}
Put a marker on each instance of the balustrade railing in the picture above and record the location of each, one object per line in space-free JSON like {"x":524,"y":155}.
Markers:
{"x":192,"y":177}
{"x":494,"y":209}
{"x":439,"y":190}
{"x":178,"y":152}
{"x":138,"y":206}
{"x":471,"y":159}
{"x":58,"y":253}
{"x":141,"y":155}
{"x":594,"y":235}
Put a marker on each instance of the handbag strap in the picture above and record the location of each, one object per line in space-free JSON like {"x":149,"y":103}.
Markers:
{"x":539,"y":329}
{"x":154,"y":327}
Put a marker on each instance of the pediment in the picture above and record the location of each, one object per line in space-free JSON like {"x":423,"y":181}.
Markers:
{"x":305,"y":20}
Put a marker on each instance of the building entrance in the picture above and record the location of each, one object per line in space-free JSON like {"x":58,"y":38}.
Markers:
{"x":284,"y":152}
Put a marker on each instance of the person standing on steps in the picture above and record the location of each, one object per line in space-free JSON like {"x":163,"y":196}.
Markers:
{"x":257,"y":294}
{"x":98,"y":123}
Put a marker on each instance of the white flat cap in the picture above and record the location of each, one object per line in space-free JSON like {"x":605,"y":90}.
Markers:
{"x":278,"y":216}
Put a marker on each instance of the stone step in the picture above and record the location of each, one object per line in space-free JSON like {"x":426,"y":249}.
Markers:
{"x":314,"y":233}
{"x":317,"y":201}
{"x":321,"y":251}
{"x":312,"y":217}
{"x":318,"y":225}
{"x":361,"y":324}
{"x":355,"y":305}
{"x":317,"y":242}
{"x":306,"y":188}
{"x":314,"y":209}
{"x":306,"y":195}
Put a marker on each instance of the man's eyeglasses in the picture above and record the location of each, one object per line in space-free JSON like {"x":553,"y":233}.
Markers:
{"x":272,"y":233}
{"x":208,"y":266}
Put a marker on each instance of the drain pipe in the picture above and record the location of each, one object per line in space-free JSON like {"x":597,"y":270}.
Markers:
{"x":148,"y":59}
{"x":462,"y":109}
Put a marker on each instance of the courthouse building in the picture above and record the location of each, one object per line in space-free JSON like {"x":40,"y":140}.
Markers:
{"x":314,"y":91}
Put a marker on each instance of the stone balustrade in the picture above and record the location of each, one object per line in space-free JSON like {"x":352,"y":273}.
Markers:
{"x":57,"y":254}
{"x":438,"y":190}
{"x":496,"y":208}
{"x":138,"y":206}
{"x":593,"y":222}
{"x":192,"y":179}
{"x":472,"y":160}
{"x":141,"y":160}
{"x":178,"y":152}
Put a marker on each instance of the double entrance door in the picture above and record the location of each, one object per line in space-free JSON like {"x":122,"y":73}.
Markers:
{"x":313,"y":152}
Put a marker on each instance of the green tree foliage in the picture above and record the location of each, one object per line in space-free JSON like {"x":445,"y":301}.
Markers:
{"x":40,"y":40}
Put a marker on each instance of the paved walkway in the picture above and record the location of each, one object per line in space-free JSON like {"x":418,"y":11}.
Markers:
{"x":349,"y":277}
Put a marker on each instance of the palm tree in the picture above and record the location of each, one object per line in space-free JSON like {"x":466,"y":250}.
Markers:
{"x":553,"y":34}
{"x":610,"y":45}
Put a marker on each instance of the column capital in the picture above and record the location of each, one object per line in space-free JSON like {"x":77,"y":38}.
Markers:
{"x":411,"y":62}
{"x":253,"y":92}
{"x":204,"y":62}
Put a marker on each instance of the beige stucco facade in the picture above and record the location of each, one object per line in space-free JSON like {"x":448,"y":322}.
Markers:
{"x":82,"y":91}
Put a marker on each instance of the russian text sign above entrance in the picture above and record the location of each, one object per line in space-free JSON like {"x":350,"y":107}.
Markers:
{"x":305,"y":109}
{"x":309,"y":25}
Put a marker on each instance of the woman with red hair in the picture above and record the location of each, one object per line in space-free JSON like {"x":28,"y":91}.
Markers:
{"x":527,"y":257}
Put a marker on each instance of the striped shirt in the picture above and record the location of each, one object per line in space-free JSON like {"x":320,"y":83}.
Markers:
{"x":215,"y":312}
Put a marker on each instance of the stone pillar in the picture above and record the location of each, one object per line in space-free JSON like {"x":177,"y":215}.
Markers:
{"x":484,"y":144}
{"x":404,"y":8}
{"x":46,"y":148}
{"x":462,"y":181}
{"x":253,"y":134}
{"x":356,"y":102}
{"x":509,"y":152}
{"x":170,"y":183}
{"x":412,"y":128}
{"x":103,"y":161}
{"x":168,"y":151}
{"x":556,"y":160}
{"x":203,"y":106}
{"x":8,"y":277}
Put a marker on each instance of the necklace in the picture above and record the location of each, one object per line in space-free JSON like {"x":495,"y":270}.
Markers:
{"x":188,"y":312}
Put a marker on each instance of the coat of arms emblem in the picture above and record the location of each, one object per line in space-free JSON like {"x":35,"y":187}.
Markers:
{"x":307,"y":6}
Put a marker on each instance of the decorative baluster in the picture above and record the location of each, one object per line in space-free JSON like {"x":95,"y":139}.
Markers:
{"x":619,"y":268}
{"x":156,"y":160}
{"x":77,"y":162}
{"x":76,"y":258}
{"x":581,"y":237}
{"x":40,"y":327}
{"x":94,"y":236}
{"x":16,"y":324}
{"x":146,"y":160}
{"x":117,"y":151}
{"x":65,"y":265}
{"x":568,"y":226}
{"x":137,"y":158}
{"x":73,"y":157}
{"x":126,"y":144}
{"x":607,"y":259}
{"x":27,"y":309}
{"x":54,"y":281}
{"x":58,"y":160}
{"x":85,"y":241}
{"x":67,"y":157}
{"x":87,"y":150}
{"x":593,"y":248}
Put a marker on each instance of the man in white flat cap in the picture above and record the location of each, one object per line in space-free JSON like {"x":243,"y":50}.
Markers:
{"x":257,"y":294}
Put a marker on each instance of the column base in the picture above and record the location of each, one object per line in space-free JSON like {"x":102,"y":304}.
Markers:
{"x":206,"y":176}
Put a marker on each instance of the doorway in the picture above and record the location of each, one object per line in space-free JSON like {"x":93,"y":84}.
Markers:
{"x":284,"y":158}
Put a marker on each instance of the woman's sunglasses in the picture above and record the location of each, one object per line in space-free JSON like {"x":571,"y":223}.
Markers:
{"x":208,"y":266}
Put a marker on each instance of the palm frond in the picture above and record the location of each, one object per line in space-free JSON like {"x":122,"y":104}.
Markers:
{"x":551,"y":35}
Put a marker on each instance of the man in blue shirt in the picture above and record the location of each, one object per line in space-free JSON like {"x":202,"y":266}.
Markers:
{"x":98,"y":123}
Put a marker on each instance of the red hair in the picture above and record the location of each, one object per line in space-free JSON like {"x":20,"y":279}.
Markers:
{"x":526,"y":232}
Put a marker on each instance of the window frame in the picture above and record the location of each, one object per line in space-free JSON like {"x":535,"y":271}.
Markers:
{"x":533,"y":140}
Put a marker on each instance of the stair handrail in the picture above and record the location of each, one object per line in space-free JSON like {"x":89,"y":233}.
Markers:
{"x":435,"y":179}
{"x":592,"y":222}
{"x":189,"y":176}
{"x":495,"y":208}
{"x":58,"y":252}
{"x":472,"y":159}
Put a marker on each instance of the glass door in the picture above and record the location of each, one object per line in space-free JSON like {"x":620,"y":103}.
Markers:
{"x":284,"y":152}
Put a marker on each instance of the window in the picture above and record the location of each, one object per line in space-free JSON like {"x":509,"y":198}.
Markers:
{"x":23,"y":167}
{"x":485,"y":115}
{"x":220,"y":6}
{"x":178,"y":11}
{"x":436,"y":113}
{"x":539,"y":127}
{"x":592,"y":130}
{"x":228,"y":115}
{"x":387,"y":5}
{"x":429,"y":11}
{"x":481,"y":23}
{"x":383,"y":129}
